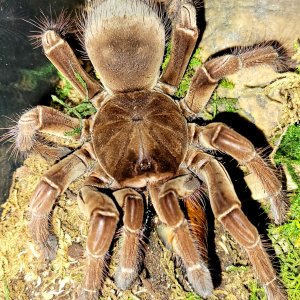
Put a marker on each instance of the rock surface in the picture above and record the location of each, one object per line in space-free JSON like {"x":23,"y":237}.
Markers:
{"x":244,"y":23}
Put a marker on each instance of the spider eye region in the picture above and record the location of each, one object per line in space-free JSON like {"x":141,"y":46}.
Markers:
{"x":145,"y":165}
{"x":140,"y":137}
{"x":137,"y":118}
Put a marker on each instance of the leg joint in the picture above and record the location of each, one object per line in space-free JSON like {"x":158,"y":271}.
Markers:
{"x":241,"y":228}
{"x":169,"y":209}
{"x":101,"y":233}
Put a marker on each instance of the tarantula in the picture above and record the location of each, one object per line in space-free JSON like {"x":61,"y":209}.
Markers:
{"x":143,"y":141}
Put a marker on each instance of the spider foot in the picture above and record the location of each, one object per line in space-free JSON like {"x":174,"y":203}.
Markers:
{"x":275,"y":291}
{"x":49,"y":248}
{"x":278,"y":208}
{"x":125,"y":277}
{"x":47,"y":242}
{"x":200,"y":279}
{"x":85,"y":294}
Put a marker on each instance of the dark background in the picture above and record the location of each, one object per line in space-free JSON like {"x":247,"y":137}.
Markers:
{"x":26,"y":76}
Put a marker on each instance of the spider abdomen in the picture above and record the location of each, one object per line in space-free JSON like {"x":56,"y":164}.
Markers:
{"x":125,"y":42}
{"x":140,"y":137}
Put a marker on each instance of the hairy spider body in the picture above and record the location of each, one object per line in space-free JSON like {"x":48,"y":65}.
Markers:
{"x":147,"y":133}
{"x":140,"y":141}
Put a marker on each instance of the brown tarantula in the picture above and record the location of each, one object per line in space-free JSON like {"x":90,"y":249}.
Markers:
{"x":143,"y":141}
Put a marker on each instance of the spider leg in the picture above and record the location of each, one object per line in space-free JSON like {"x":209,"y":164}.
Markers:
{"x":104,"y":217}
{"x":207,"y":76}
{"x":218,"y":136}
{"x":54,"y":182}
{"x":46,"y":120}
{"x":183,"y":41}
{"x":130,"y":252}
{"x":165,"y":201}
{"x":227,"y":210}
{"x":63,"y":58}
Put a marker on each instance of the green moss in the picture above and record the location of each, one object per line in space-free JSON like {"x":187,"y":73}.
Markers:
{"x":31,"y":78}
{"x":75,"y":132}
{"x":80,"y":111}
{"x":189,"y":73}
{"x":83,"y":83}
{"x":256,"y":291}
{"x":220,"y":104}
{"x":289,"y":149}
{"x":291,"y":229}
{"x":167,"y":56}
{"x":297,"y":45}
{"x":283,"y":238}
{"x":237,"y":268}
{"x":193,"y":63}
{"x":6,"y":289}
{"x":192,"y":296}
{"x":63,"y":91}
{"x":286,"y":238}
{"x":227,"y":84}
{"x":288,"y":152}
{"x":290,"y":274}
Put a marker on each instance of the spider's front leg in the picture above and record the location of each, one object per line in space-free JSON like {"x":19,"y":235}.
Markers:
{"x":227,"y":210}
{"x":207,"y":76}
{"x":218,"y":136}
{"x":54,"y":182}
{"x":63,"y":58}
{"x":46,"y":120}
{"x":165,"y":200}
{"x":183,"y":41}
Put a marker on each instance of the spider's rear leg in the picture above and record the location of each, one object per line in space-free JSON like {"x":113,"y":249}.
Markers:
{"x":165,"y":201}
{"x":130,"y":251}
{"x":63,"y":58}
{"x":54,"y":182}
{"x":217,"y":136}
{"x":183,"y":41}
{"x":227,"y":210}
{"x":207,"y":76}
